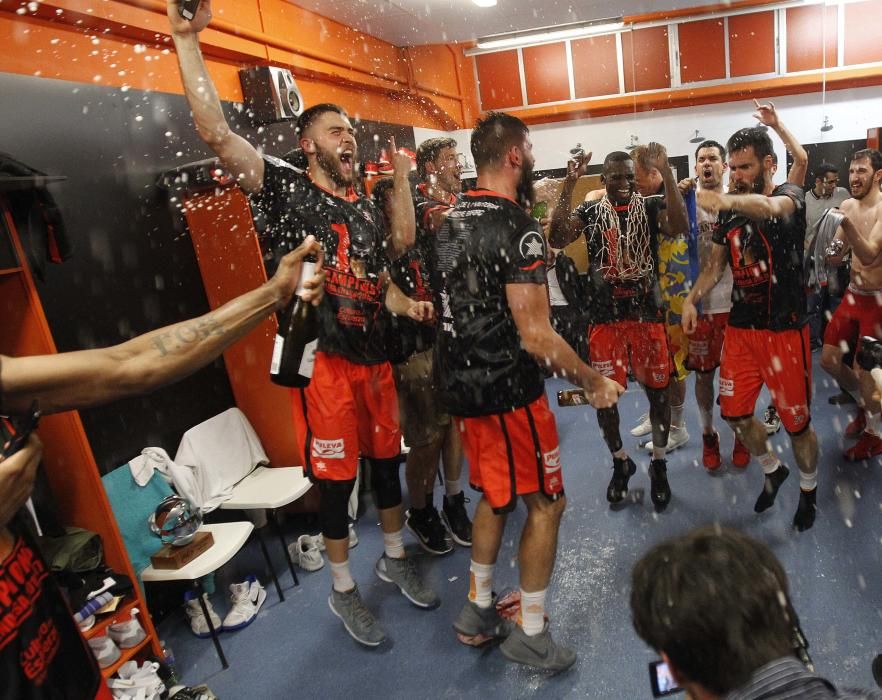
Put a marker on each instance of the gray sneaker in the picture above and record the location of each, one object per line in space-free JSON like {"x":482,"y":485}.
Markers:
{"x":403,"y":573}
{"x":539,"y":651}
{"x":474,"y":621}
{"x":357,"y":619}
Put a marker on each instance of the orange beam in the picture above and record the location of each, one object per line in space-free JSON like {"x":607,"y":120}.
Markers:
{"x":695,"y":11}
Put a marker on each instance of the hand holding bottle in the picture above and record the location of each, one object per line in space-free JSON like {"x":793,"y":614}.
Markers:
{"x":288,"y":274}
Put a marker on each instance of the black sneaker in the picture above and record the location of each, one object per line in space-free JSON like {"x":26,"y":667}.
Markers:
{"x":426,"y":526}
{"x":771,"y":485}
{"x":805,"y":511}
{"x":623,"y":470}
{"x":457,"y":520}
{"x":659,"y":489}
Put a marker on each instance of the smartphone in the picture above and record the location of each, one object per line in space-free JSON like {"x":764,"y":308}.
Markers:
{"x":189,"y":8}
{"x":20,"y":429}
{"x":662,"y":680}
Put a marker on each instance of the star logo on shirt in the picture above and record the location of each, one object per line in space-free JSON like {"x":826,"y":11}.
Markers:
{"x":532,"y":245}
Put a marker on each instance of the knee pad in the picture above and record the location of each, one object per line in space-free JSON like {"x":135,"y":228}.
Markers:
{"x":386,"y":483}
{"x":334,"y":508}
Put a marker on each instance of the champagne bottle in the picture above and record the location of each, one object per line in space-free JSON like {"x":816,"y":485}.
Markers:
{"x":297,"y":337}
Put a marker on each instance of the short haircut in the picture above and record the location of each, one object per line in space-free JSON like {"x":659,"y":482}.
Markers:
{"x":873,"y":155}
{"x":428,"y":150}
{"x":381,"y":190}
{"x":305,"y":120}
{"x":751,"y":136}
{"x":716,"y":602}
{"x":493,"y":135}
{"x":615,"y":157}
{"x":825,"y":168}
{"x":710,"y":143}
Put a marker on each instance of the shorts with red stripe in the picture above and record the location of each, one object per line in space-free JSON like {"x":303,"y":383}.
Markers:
{"x":643,"y":344}
{"x":346,"y":411}
{"x":779,"y":359}
{"x":858,"y":315}
{"x":513,"y":454}
{"x":706,"y":343}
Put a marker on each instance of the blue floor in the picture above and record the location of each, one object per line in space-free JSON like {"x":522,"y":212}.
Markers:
{"x":299,"y":649}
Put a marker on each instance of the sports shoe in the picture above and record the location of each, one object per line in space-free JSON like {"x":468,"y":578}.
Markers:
{"x":486,"y":624}
{"x":426,"y":526}
{"x":740,"y":454}
{"x":678,"y":437}
{"x":857,"y":426}
{"x":198,"y":623}
{"x":623,"y":470}
{"x":771,"y":420}
{"x":539,"y":651}
{"x":305,"y":553}
{"x":106,"y":653}
{"x":320,"y":540}
{"x":129,"y":633}
{"x":456,"y":519}
{"x":840,"y":399}
{"x":867,"y":446}
{"x":771,"y":485}
{"x":403,"y":573}
{"x":357,"y":619}
{"x":643,"y":427}
{"x":710,"y":456}
{"x":805,"y":511}
{"x":246,"y":598}
{"x":659,"y":489}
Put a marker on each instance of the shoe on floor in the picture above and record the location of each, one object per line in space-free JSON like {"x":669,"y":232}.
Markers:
{"x":538,"y":651}
{"x":678,"y":437}
{"x":246,"y":598}
{"x":623,"y":470}
{"x":841,"y":399}
{"x":643,"y":427}
{"x":771,"y":484}
{"x":456,"y":519}
{"x":359,"y":622}
{"x":305,"y":553}
{"x":403,"y":573}
{"x":128,"y":633}
{"x":198,"y":623}
{"x":771,"y":420}
{"x":482,"y":625}
{"x":805,"y":511}
{"x":320,"y":540}
{"x":867,"y":446}
{"x":710,"y":456}
{"x":106,"y":653}
{"x":659,"y":489}
{"x":857,"y":426}
{"x":426,"y":526}
{"x":740,"y":454}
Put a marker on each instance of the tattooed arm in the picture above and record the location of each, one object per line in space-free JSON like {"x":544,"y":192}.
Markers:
{"x":91,"y":377}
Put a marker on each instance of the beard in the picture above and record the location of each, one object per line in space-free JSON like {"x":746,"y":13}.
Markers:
{"x":758,"y":186}
{"x":864,"y":191}
{"x":524,"y":194}
{"x":329,"y":161}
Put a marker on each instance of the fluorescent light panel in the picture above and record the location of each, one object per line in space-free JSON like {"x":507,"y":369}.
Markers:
{"x":485,"y":3}
{"x":544,"y":34}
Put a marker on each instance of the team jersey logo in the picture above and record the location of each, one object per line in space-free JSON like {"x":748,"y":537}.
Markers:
{"x":532,"y":245}
{"x":328,"y":449}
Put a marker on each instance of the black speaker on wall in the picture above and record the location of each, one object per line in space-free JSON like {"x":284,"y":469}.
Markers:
{"x":271,"y":95}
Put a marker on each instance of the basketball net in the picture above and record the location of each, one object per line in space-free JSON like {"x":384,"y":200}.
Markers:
{"x":625,"y":255}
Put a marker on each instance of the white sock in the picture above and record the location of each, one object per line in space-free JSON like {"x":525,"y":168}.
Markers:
{"x":707,"y":420}
{"x":481,"y":584}
{"x":873,"y":423}
{"x":341,"y":577}
{"x":393,"y":543}
{"x":620,"y":453}
{"x":676,"y":416}
{"x":769,"y":462}
{"x":452,"y":487}
{"x":532,"y":615}
{"x":808,"y":482}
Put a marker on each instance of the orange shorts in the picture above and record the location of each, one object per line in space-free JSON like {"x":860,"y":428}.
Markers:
{"x":780,"y":359}
{"x":706,"y":343}
{"x":644,"y":344}
{"x":346,"y":411}
{"x":513,"y":454}
{"x":856,"y":316}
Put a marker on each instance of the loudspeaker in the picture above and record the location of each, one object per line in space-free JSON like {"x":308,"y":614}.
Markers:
{"x":271,"y":95}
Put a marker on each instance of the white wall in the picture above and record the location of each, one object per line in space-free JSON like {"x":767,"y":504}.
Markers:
{"x":851,"y":112}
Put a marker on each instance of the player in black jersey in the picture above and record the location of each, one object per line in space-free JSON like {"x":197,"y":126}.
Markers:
{"x":494,"y":338}
{"x":350,"y":407}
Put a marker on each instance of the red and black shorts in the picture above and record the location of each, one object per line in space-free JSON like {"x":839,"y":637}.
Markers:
{"x":706,"y":343}
{"x":858,"y":315}
{"x":513,"y":454}
{"x":779,"y":359}
{"x":346,"y":411}
{"x":642,"y":343}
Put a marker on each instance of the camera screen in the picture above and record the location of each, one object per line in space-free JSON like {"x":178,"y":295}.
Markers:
{"x":662,"y":680}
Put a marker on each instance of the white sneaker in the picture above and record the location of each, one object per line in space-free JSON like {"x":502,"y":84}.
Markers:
{"x":129,"y":633}
{"x":105,"y":651}
{"x":246,"y":598}
{"x":353,"y":539}
{"x":404,"y":448}
{"x":771,"y":420}
{"x":198,"y":623}
{"x":643,"y":427}
{"x":677,"y":438}
{"x":306,"y":554}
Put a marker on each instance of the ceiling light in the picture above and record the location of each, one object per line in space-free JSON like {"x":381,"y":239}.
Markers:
{"x":555,"y":33}
{"x":485,"y":3}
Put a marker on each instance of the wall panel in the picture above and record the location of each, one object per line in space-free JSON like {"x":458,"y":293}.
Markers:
{"x":751,"y":44}
{"x":499,"y":80}
{"x":646,"y":59}
{"x":862,"y":44}
{"x":807,"y":29}
{"x":702,"y":50}
{"x":546,"y":73}
{"x":595,"y":66}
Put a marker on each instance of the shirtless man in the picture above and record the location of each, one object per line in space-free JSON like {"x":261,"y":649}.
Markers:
{"x":860,"y":313}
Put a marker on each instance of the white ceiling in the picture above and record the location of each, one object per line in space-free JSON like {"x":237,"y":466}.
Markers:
{"x":413,"y":22}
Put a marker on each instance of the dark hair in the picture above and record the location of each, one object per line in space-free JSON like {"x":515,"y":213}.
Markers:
{"x":872,"y":155}
{"x":493,"y":135}
{"x":825,"y":168}
{"x":615,"y":157}
{"x":380,"y":191}
{"x":710,"y":143}
{"x":716,"y":602}
{"x":428,"y":150}
{"x":305,"y":120}
{"x":752,"y":136}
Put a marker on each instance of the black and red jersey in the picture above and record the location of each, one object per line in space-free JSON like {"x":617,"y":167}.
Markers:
{"x":767,"y":270}
{"x":351,"y":232}
{"x":486,"y":243}
{"x":610,"y":298}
